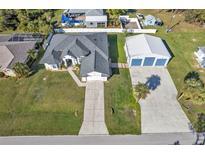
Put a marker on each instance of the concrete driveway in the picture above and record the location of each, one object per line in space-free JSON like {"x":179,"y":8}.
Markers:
{"x":94,"y":118}
{"x":160,"y":111}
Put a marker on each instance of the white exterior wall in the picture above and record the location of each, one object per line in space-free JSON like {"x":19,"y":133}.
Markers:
{"x":94,"y":76}
{"x":107,"y":30}
{"x":51,"y":67}
{"x":200,"y":55}
{"x":74,"y":60}
{"x":9,"y":72}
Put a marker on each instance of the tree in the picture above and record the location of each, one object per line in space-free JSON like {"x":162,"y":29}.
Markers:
{"x":32,"y":54}
{"x":21,"y":70}
{"x":195,"y":16}
{"x":142,"y":90}
{"x":113,"y":14}
{"x":193,"y":89}
{"x":200,"y":123}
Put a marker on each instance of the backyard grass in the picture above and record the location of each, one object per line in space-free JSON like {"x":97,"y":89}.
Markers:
{"x":116,"y":48}
{"x":166,"y":18}
{"x":47,"y":103}
{"x":122,"y":113}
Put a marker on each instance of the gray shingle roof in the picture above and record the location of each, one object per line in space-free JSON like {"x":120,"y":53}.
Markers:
{"x":18,"y":50}
{"x":92,"y":46}
{"x":4,"y":38}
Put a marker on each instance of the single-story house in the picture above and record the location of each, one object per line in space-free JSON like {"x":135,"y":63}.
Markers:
{"x":89,"y":50}
{"x":12,"y":52}
{"x":91,"y":18}
{"x":200,"y":56}
{"x":146,"y":50}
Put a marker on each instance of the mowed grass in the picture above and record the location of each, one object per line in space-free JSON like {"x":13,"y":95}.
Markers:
{"x":122,"y":112}
{"x":47,"y":103}
{"x":183,"y":45}
{"x":116,"y":47}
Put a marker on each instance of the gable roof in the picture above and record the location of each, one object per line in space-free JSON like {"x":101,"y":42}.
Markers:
{"x":92,"y":46}
{"x":12,"y":52}
{"x":144,"y":44}
{"x":5,"y":57}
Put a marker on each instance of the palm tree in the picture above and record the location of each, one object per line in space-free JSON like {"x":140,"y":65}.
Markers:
{"x":200,"y":123}
{"x":32,"y":54}
{"x":21,"y":70}
{"x":142,"y":90}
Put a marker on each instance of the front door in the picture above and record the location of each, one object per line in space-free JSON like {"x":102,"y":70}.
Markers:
{"x":68,"y":62}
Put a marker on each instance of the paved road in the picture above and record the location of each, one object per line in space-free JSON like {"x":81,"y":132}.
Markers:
{"x":94,"y":119}
{"x":160,"y":111}
{"x":144,"y":139}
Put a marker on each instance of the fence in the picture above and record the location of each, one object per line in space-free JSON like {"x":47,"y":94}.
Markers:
{"x":107,"y":30}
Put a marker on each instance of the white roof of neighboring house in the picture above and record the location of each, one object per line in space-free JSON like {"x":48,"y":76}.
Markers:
{"x":144,"y":44}
{"x":96,"y":18}
{"x":6,"y":57}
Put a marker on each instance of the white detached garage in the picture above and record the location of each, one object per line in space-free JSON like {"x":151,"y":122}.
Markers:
{"x":146,"y":50}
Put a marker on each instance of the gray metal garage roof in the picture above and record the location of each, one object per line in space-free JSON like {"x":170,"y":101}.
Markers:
{"x":144,"y":44}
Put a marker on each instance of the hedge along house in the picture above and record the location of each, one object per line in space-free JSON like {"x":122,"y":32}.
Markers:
{"x":89,"y":50}
{"x":146,"y":50}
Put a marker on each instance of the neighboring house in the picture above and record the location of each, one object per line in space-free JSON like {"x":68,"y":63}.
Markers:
{"x":90,"y":50}
{"x":146,"y":50}
{"x":13,"y":52}
{"x":200,"y":56}
{"x":91,"y":18}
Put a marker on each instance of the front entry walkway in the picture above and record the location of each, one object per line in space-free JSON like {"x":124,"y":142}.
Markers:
{"x":75,"y":78}
{"x":119,"y":65}
{"x":94,"y":119}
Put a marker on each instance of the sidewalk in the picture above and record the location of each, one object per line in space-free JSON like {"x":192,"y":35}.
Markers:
{"x":119,"y":65}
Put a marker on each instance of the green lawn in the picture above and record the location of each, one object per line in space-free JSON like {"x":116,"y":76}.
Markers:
{"x":122,"y":113}
{"x":183,"y":45}
{"x":116,"y":48}
{"x":47,"y":103}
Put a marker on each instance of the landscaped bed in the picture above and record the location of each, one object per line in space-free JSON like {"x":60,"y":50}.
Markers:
{"x":122,"y":112}
{"x":47,"y":103}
